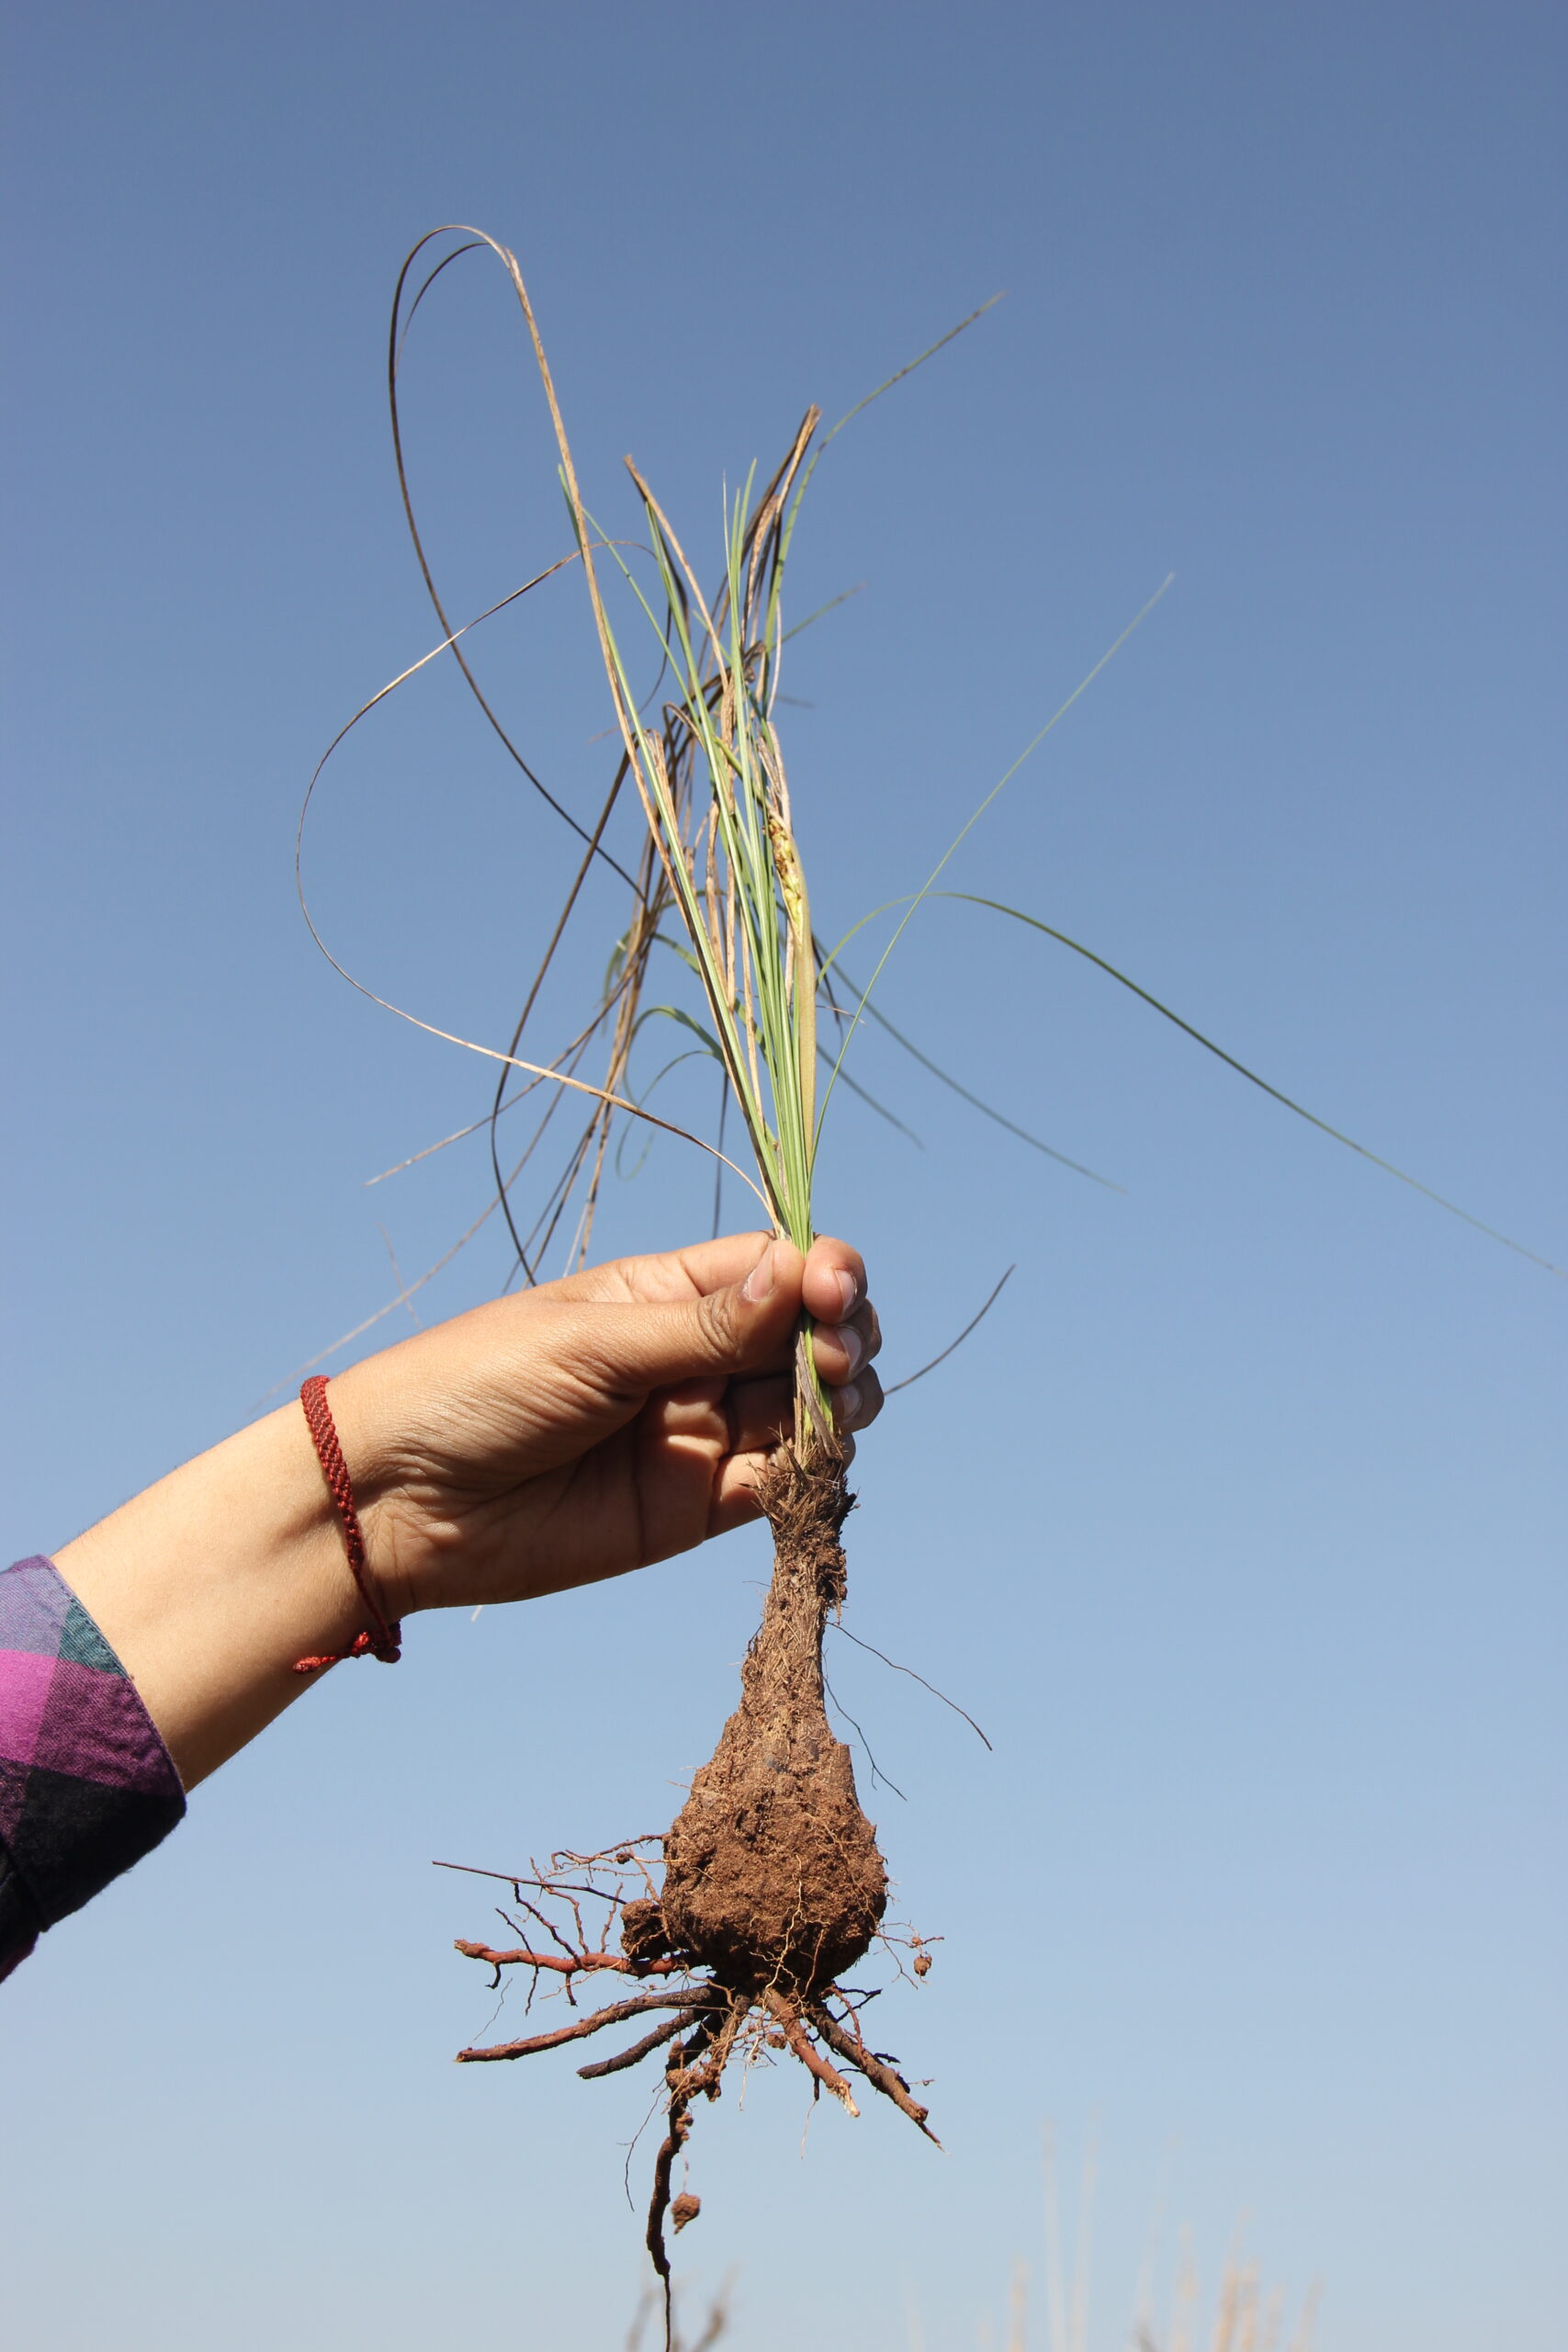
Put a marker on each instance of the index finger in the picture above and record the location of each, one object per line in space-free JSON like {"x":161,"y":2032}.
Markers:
{"x":833,"y":1283}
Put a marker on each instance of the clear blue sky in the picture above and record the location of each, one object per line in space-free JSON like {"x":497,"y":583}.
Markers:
{"x":1239,"y":1523}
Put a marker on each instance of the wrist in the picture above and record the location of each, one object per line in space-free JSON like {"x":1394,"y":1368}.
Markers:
{"x":376,"y":1407}
{"x":210,"y":1585}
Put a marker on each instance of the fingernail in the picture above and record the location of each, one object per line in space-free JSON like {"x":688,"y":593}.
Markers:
{"x":846,"y":1404}
{"x":849,"y":1292}
{"x":759,"y":1283}
{"x":846,"y":1337}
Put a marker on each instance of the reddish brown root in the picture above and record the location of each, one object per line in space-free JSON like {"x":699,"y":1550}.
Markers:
{"x":796,"y":2038}
{"x":613,"y":2014}
{"x":572,"y":1963}
{"x":877,"y":2068}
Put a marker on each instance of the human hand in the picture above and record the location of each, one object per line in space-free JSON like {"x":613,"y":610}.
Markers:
{"x":596,"y":1424}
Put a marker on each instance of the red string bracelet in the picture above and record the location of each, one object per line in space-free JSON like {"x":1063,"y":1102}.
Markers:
{"x":386,"y":1642}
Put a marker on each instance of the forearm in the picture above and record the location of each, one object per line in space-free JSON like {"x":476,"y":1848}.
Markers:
{"x":210,"y":1584}
{"x":593,"y":1426}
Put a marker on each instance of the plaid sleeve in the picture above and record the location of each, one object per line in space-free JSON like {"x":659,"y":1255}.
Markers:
{"x":86,"y":1785}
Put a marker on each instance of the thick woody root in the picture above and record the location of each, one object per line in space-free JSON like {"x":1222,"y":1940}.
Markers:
{"x":771,"y":1888}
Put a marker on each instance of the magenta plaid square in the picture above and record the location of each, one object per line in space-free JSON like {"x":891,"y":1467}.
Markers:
{"x":86,"y":1785}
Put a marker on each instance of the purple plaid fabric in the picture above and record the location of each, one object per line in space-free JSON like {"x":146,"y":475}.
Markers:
{"x":86,"y":1785}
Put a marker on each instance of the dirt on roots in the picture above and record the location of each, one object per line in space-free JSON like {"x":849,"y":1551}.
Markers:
{"x":771,"y":1883}
{"x":772,"y":1873}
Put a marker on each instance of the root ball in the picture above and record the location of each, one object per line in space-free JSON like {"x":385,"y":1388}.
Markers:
{"x":772,"y":1873}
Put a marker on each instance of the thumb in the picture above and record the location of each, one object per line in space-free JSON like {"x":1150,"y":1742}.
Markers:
{"x":742,"y":1328}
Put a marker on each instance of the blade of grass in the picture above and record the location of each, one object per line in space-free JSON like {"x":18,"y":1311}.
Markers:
{"x":974,"y":1320}
{"x":967,"y":827}
{"x":1253,"y":1079}
{"x":996,"y":905}
{"x":976,"y":1103}
{"x":396,"y":335}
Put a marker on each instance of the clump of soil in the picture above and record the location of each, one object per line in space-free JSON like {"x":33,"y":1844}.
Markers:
{"x":772,"y":1885}
{"x":771,"y":1874}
